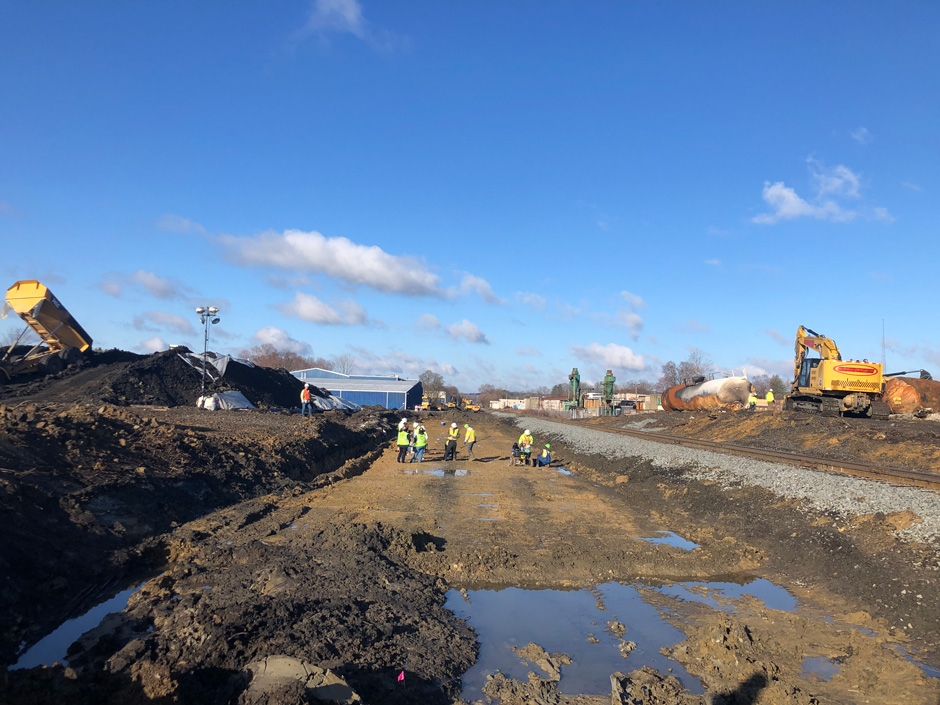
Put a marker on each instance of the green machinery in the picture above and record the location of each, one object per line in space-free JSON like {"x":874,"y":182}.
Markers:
{"x":574,"y":391}
{"x":607,"y":398}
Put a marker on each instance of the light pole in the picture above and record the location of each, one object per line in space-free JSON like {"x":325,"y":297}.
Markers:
{"x":207,"y":316}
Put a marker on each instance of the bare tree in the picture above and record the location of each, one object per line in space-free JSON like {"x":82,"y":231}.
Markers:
{"x":266,"y":355}
{"x":669,"y":377}
{"x":344,"y":363}
{"x":636,"y":386}
{"x":432,"y":383}
{"x":697,"y":364}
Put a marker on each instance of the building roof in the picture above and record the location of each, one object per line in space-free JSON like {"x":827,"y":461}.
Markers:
{"x":320,"y":373}
{"x":368,"y":385}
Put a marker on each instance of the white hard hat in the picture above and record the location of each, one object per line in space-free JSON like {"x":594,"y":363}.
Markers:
{"x":527,"y":432}
{"x":306,"y":385}
{"x":453,"y":425}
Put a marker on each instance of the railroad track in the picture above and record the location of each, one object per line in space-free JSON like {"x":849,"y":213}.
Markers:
{"x":898,"y":476}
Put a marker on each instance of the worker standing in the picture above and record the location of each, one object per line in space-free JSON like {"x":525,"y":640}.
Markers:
{"x":470,"y":437}
{"x":306,"y":407}
{"x":404,"y":440}
{"x":450,"y":449}
{"x":752,"y":402}
{"x":770,"y":398}
{"x":525,"y":446}
{"x":421,"y":443}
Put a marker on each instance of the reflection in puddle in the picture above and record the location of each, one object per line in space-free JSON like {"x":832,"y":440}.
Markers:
{"x":479,"y":494}
{"x":563,"y":471}
{"x":563,"y":621}
{"x":487,"y":505}
{"x":439,"y":472}
{"x":668,"y":538}
{"x":53,"y":646}
{"x":819,"y":666}
{"x":773,"y":596}
{"x":489,"y":518}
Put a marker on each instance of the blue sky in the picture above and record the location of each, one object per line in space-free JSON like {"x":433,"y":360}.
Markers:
{"x":495,"y":191}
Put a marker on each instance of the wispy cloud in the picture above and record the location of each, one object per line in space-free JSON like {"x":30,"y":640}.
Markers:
{"x":338,"y":17}
{"x":471,"y":283}
{"x":528,"y":351}
{"x":465,"y":330}
{"x":428,"y":321}
{"x":635,"y":302}
{"x":160,"y":320}
{"x":830,"y":185}
{"x":910,"y":185}
{"x":397,"y":362}
{"x":534,"y":300}
{"x":714,"y":262}
{"x":179,"y":224}
{"x":339,"y":257}
{"x":778,"y":336}
{"x":114,"y":283}
{"x":308,"y":307}
{"x":612,"y":355}
{"x":861,"y":135}
{"x":281,"y":340}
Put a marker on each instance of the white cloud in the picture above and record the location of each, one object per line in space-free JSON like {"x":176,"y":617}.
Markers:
{"x":161,"y":287}
{"x":309,"y":308}
{"x":911,"y":185}
{"x":339,"y":257}
{"x":151,"y":320}
{"x":635,"y":302}
{"x":397,"y":362}
{"x":883,"y":215}
{"x":343,"y":16}
{"x":179,"y":224}
{"x":612,"y":355}
{"x":152,"y":345}
{"x":428,"y":321}
{"x":281,"y":340}
{"x":467,"y":331}
{"x":765,"y":366}
{"x":534,"y":300}
{"x":861,"y":135}
{"x":779,"y":337}
{"x":471,"y":283}
{"x":788,"y":205}
{"x":836,"y":181}
{"x":713,"y":262}
{"x":111,"y":286}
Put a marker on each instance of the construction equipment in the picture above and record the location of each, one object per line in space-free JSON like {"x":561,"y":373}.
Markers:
{"x":61,"y":339}
{"x":607,"y":407}
{"x":831,"y":386}
{"x":574,"y":391}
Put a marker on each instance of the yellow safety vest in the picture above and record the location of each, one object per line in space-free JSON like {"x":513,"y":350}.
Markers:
{"x":525,"y":440}
{"x":471,"y":436}
{"x":422,"y":440}
{"x":403,"y":438}
{"x":454,"y":434}
{"x":770,"y":396}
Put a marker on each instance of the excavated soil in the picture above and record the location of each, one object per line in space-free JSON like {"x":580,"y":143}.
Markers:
{"x":259,"y":537}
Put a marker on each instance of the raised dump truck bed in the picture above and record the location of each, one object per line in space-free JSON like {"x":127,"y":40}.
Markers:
{"x":60,"y":335}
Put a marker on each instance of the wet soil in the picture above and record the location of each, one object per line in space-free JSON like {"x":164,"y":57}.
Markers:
{"x":259,"y":535}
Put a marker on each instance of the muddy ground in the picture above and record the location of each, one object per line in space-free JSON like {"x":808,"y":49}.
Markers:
{"x":257,"y":535}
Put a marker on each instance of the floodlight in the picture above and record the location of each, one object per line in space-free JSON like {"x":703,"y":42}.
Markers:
{"x":201,"y":310}
{"x":215,"y":320}
{"x":213,"y":310}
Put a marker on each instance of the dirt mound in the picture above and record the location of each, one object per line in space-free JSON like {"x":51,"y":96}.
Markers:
{"x":162,"y":379}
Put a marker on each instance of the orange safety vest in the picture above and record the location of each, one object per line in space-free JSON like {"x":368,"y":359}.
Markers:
{"x":305,"y":394}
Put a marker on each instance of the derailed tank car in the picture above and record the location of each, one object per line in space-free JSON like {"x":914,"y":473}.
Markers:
{"x":725,"y":393}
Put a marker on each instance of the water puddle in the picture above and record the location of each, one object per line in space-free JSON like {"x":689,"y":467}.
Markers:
{"x":479,"y":494}
{"x":773,"y":596}
{"x":572,"y":622}
{"x":489,"y":518}
{"x":820,"y":667}
{"x":562,"y":471}
{"x":668,"y":538}
{"x":487,"y":505}
{"x":440,"y":472}
{"x":53,"y":646}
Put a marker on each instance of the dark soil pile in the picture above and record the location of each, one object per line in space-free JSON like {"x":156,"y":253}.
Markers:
{"x":162,"y":379}
{"x":84,"y":491}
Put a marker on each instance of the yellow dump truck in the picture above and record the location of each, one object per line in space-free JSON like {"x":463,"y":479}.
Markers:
{"x":61,"y":339}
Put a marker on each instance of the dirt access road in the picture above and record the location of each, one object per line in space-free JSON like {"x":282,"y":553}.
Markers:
{"x":352,"y":574}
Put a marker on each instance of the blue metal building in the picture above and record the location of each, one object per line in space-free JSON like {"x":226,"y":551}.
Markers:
{"x":390,"y":391}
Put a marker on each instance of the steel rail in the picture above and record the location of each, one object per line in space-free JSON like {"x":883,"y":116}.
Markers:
{"x":916,"y":478}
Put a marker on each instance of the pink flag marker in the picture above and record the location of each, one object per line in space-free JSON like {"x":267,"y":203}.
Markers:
{"x":401,"y":676}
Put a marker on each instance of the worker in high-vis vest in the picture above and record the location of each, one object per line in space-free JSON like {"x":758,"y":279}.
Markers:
{"x":544,"y":458}
{"x":421,"y":444}
{"x":306,"y":407}
{"x":770,"y":398}
{"x":470,"y":437}
{"x":525,"y":446}
{"x":404,"y":440}
{"x":450,"y":449}
{"x":752,"y":402}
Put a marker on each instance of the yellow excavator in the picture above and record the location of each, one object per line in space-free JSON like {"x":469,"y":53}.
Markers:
{"x":831,"y":386}
{"x":61,"y":339}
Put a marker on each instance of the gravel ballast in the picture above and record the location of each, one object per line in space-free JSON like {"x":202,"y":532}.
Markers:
{"x":818,"y":490}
